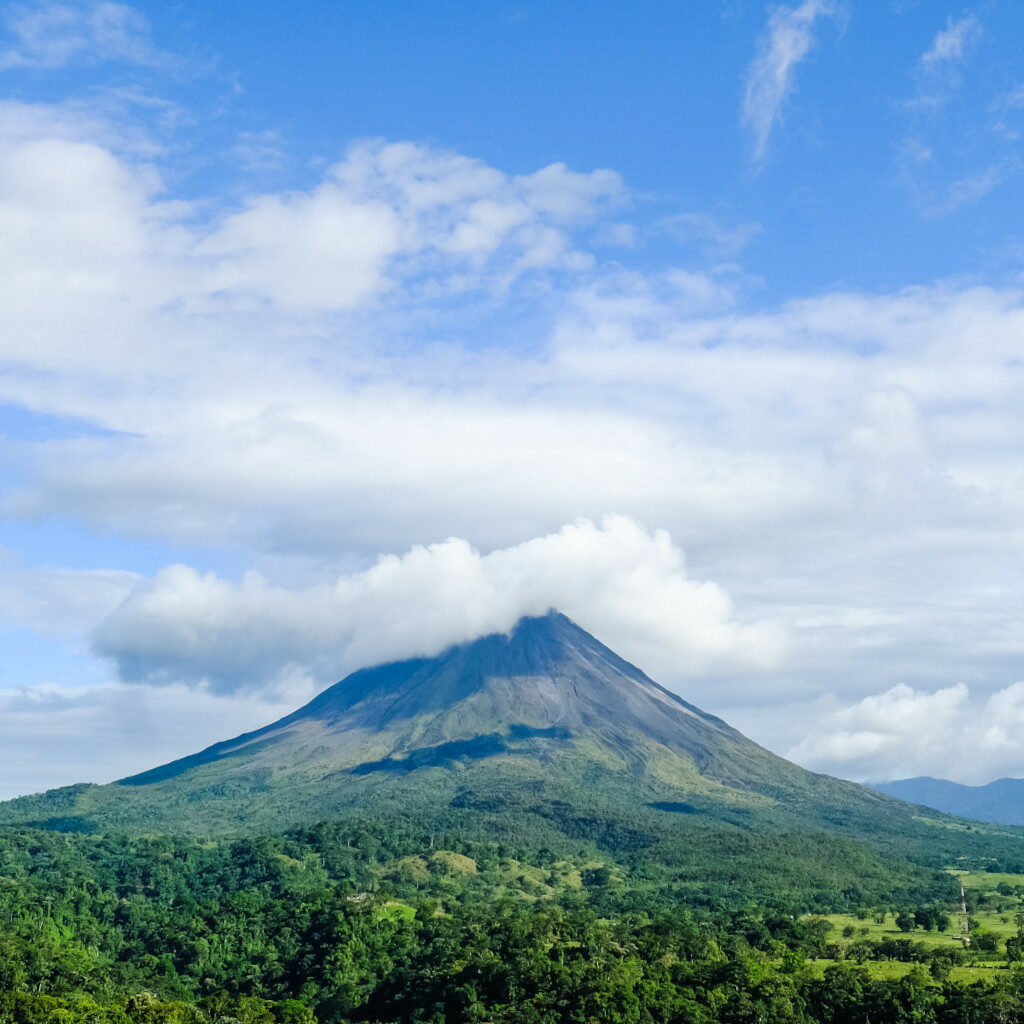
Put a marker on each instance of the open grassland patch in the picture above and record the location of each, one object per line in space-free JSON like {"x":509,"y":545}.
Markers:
{"x":988,"y":880}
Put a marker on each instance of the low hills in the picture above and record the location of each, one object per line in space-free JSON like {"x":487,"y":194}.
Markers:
{"x":1000,"y":801}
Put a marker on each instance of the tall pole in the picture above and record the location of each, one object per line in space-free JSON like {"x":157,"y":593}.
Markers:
{"x":965,"y":922}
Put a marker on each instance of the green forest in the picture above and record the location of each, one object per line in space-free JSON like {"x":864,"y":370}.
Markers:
{"x":378,"y":922}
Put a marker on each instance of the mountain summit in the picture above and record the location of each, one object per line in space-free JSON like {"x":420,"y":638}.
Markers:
{"x":545,"y":687}
{"x":542,"y":733}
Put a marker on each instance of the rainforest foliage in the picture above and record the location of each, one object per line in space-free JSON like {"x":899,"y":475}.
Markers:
{"x":372,"y":922}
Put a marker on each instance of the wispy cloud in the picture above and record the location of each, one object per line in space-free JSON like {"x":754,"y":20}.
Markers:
{"x":1014,"y":99}
{"x":958,"y":147}
{"x":51,"y":35}
{"x":54,"y":601}
{"x":966,"y":191}
{"x":52,"y":735}
{"x":787,"y":41}
{"x":953,"y":42}
{"x":938,"y":70}
{"x":715,"y":238}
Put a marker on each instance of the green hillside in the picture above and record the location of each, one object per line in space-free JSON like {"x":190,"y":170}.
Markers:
{"x":544,"y":738}
{"x":525,"y":829}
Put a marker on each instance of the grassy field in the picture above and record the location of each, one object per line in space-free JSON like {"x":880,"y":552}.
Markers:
{"x":964,"y":975}
{"x":988,"y":880}
{"x":874,"y":931}
{"x":995,"y":901}
{"x":1001,"y":924}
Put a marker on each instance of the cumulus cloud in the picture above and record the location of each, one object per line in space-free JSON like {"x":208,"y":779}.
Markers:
{"x":102,"y":269}
{"x":786,"y":42}
{"x":817,"y":458}
{"x":906,"y":732}
{"x":628,"y":586}
{"x":49,"y":35}
{"x":845,"y":464}
{"x":430,"y":210}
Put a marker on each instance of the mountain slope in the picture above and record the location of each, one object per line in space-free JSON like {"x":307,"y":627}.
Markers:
{"x":1000,"y":801}
{"x":543,"y":735}
{"x":545,"y":684}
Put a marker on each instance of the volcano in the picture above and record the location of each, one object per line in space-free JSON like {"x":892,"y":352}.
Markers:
{"x":541,"y":732}
{"x":543,"y":690}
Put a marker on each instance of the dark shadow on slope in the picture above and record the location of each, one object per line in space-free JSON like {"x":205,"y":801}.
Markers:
{"x":674,"y":807}
{"x":476,"y":748}
{"x":606,"y":832}
{"x":81,"y":826}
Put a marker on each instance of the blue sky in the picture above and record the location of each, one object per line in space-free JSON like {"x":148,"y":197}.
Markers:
{"x":337,"y":332}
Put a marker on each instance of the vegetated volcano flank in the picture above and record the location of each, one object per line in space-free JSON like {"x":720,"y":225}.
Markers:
{"x":540,"y":733}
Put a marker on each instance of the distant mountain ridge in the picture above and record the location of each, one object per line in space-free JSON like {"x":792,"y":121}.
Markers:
{"x":1001,"y":801}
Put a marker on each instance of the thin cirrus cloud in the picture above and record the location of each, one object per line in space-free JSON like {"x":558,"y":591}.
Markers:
{"x":716,"y":238}
{"x":939,"y":71}
{"x":45,"y":35}
{"x":786,"y":42}
{"x":968,"y":190}
{"x":953,"y":42}
{"x":950,"y":161}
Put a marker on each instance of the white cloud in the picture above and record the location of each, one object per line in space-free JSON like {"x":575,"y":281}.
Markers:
{"x":817,"y":458}
{"x":717,"y":239}
{"x":787,"y":41}
{"x":53,"y":601}
{"x":906,"y":732}
{"x":50,"y":35}
{"x":91,"y":250}
{"x":939,"y":69}
{"x":966,"y":191}
{"x":1014,"y":99}
{"x":54,"y":736}
{"x":959,"y":145}
{"x":846,"y":465}
{"x":628,"y":586}
{"x":318,"y":250}
{"x":952,"y":43}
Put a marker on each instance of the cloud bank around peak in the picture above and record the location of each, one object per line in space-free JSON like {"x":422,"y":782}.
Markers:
{"x":625,"y":584}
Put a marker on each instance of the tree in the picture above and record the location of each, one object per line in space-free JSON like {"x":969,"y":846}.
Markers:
{"x":905,"y":921}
